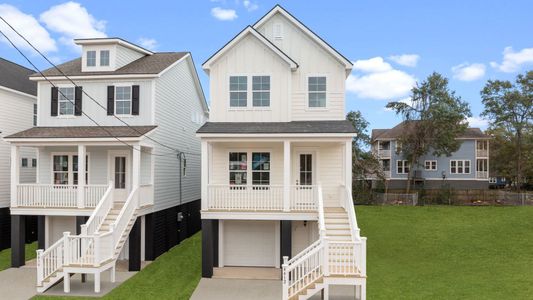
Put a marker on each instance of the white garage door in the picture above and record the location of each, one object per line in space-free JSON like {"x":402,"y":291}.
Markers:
{"x":250,"y":243}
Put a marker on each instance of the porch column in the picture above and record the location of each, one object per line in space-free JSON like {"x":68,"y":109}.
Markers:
{"x":136,"y":169}
{"x":286,"y":239}
{"x":15,"y":173}
{"x":81,"y":175}
{"x":204,"y":174}
{"x":134,"y":261}
{"x":18,"y":237}
{"x":207,"y":248}
{"x":348,"y":165}
{"x":286,"y":175}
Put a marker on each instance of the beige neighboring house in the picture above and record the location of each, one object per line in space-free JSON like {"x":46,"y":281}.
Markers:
{"x":119,"y":162}
{"x":276,"y":162}
{"x":18,"y":102}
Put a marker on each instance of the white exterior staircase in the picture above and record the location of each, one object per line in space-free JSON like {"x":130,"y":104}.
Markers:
{"x":337,"y":257}
{"x":93,"y":251}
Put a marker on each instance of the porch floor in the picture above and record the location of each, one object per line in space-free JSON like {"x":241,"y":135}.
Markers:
{"x":247,"y":273}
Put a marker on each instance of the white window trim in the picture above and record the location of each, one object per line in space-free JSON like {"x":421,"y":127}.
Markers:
{"x":123,"y":84}
{"x":430,"y":165}
{"x":249,"y":171}
{"x":96,"y":56}
{"x":249,"y":93}
{"x":309,"y":108}
{"x":405,"y":164}
{"x":457,"y":167}
{"x":59,"y":115}
{"x":70,"y":166}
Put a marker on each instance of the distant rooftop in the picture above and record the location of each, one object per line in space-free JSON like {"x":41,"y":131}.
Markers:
{"x":15,"y":77}
{"x":396,"y":132}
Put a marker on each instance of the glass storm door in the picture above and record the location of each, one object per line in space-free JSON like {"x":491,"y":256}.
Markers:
{"x":306,"y":169}
{"x":119,"y":177}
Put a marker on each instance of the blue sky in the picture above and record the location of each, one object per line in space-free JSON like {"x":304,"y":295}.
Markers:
{"x":393,"y":43}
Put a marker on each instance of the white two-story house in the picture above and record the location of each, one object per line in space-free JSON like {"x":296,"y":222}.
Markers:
{"x":119,"y":163}
{"x":18,"y":99}
{"x":276,"y":161}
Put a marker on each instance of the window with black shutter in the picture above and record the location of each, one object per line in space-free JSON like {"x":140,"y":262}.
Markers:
{"x":53,"y":102}
{"x":135,"y":100}
{"x":78,"y":101}
{"x":110,"y":100}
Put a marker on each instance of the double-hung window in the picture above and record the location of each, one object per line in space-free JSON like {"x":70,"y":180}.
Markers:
{"x":402,"y":166}
{"x":24,"y":162}
{"x":65,"y":169}
{"x":60,"y":169}
{"x":123,"y":100}
{"x":260,"y":168}
{"x":238,"y":91}
{"x":34,"y":162}
{"x":91,"y":58}
{"x":104,"y":58}
{"x":75,"y":169}
{"x":460,"y":167}
{"x":317,"y":91}
{"x":238,"y":166}
{"x":66,"y":101}
{"x":430,"y":165}
{"x":261,"y":91}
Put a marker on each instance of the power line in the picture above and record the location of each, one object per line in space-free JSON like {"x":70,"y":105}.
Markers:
{"x":89,"y":117}
{"x":83,"y":91}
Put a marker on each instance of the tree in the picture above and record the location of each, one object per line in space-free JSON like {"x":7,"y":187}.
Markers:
{"x":433,"y":120}
{"x":510,"y":106}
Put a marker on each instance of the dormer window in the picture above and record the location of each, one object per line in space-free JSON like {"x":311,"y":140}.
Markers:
{"x":104,"y":58}
{"x":91,"y":58}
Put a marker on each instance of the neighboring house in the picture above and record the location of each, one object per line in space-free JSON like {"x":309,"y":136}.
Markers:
{"x":497,"y":182}
{"x":467,"y":168}
{"x":276,"y":161}
{"x":18,"y":99}
{"x":122,"y":183}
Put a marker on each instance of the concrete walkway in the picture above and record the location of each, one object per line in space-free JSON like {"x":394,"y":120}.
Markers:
{"x":20,"y":283}
{"x":243,"y":289}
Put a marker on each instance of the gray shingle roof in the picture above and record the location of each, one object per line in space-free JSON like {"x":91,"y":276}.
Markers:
{"x":15,"y":77}
{"x":396,"y":132}
{"x":149,"y":64}
{"x":341,"y":126}
{"x":83,"y":132}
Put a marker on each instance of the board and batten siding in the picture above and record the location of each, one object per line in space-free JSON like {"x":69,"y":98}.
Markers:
{"x":247,"y":58}
{"x":97,"y":89}
{"x":313,"y":60}
{"x":177,"y":98}
{"x":16,"y":115}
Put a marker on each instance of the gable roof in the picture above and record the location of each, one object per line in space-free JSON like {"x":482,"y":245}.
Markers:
{"x":15,"y":77}
{"x":279,"y":9}
{"x":113,"y":40}
{"x":149,"y":64}
{"x":294,"y":127}
{"x":246,"y":31}
{"x":396,"y":132}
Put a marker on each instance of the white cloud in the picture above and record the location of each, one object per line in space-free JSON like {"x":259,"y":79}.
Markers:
{"x":468,"y":72}
{"x":379,"y":80}
{"x":28,"y":26}
{"x":477,"y":122}
{"x":249,"y":5}
{"x":148,"y":43}
{"x":72,"y":21}
{"x":512,"y":61}
{"x":223,"y":14}
{"x":408,"y":60}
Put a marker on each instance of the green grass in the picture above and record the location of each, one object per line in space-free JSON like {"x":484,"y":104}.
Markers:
{"x":438,"y":252}
{"x":431,"y":252}
{"x":173,"y":275}
{"x":5,"y":255}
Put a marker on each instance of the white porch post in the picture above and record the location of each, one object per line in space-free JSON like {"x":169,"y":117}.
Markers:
{"x":204,"y":174}
{"x":136,"y":168}
{"x":286,"y":175}
{"x":348,"y":165}
{"x":15,"y":173}
{"x":81,"y":175}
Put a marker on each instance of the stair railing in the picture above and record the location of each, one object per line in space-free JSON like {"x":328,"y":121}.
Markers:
{"x":124,"y":217}
{"x":321,"y":219}
{"x":347,"y":204}
{"x":100,"y":212}
{"x":50,"y":260}
{"x":299,"y":273}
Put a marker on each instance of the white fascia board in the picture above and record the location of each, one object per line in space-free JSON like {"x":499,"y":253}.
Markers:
{"x":18,"y":92}
{"x":36,"y":211}
{"x":278,"y":9}
{"x":118,"y":76}
{"x":276,"y":135}
{"x":104,"y":41}
{"x":249,"y":30}
{"x":259,"y":216}
{"x":73,"y":141}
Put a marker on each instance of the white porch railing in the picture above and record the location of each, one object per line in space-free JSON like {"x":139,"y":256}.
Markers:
{"x":146,"y":194}
{"x":100,"y":212}
{"x":482,"y":153}
{"x":50,"y":260}
{"x":384,"y":153}
{"x":57,"y":195}
{"x":260,"y":197}
{"x":482,"y":174}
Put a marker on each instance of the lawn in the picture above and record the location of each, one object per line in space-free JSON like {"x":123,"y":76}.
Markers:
{"x":5,"y":255}
{"x":447,"y":252}
{"x":431,"y":252}
{"x":174,"y":275}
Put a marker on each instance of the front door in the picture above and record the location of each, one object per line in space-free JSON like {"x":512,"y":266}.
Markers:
{"x":119,"y":173}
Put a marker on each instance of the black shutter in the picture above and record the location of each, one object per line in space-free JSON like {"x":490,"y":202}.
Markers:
{"x":135,"y":100}
{"x":53,"y":107}
{"x":77,"y":101}
{"x":110,"y":100}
